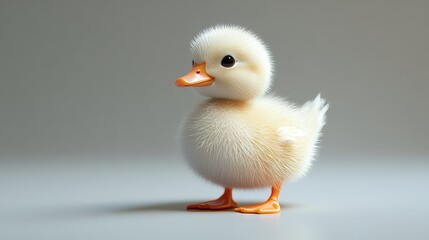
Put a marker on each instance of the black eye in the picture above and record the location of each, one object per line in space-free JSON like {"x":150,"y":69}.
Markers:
{"x":228,"y":61}
{"x":193,"y":63}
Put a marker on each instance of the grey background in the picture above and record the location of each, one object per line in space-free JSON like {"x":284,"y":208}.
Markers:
{"x":89,"y":116}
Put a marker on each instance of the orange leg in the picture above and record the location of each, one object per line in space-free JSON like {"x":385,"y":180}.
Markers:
{"x":270,"y":206}
{"x":223,"y":202}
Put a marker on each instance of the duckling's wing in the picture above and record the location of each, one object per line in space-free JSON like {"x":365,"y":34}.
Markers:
{"x":288,"y":134}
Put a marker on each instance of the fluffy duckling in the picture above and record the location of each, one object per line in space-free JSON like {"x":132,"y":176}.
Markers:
{"x":240,"y":137}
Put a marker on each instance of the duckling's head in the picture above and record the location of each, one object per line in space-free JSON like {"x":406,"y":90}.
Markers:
{"x":229,"y":62}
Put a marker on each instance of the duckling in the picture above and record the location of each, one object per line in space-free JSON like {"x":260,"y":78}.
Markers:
{"x":242,"y":137}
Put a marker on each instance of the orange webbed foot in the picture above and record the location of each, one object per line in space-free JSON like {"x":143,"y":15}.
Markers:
{"x":217,"y":204}
{"x":269,"y":207}
{"x":224,"y":202}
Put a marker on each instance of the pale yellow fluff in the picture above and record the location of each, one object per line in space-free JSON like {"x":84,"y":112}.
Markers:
{"x":240,"y":137}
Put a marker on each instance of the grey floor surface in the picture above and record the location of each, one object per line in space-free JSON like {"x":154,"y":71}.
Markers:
{"x":145,"y":198}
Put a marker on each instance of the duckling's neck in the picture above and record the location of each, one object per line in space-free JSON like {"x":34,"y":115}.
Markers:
{"x":228,"y":102}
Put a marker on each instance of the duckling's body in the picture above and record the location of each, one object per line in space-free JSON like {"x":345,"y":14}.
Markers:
{"x":240,"y":137}
{"x":253,"y":144}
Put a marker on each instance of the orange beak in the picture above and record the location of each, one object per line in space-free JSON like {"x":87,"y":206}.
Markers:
{"x":197,"y":77}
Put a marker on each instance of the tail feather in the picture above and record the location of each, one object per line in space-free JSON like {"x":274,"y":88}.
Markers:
{"x":315,"y":111}
{"x":313,"y":115}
